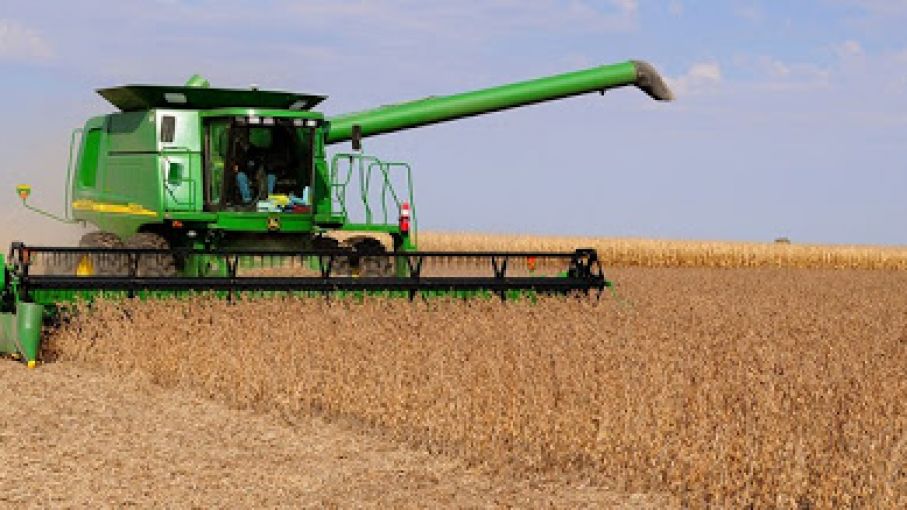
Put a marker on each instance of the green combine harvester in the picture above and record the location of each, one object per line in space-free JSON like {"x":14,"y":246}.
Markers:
{"x":199,"y":189}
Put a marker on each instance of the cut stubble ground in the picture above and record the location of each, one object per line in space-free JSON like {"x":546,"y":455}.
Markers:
{"x":74,"y":437}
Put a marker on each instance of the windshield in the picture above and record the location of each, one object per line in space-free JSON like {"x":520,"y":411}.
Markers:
{"x":248,"y":164}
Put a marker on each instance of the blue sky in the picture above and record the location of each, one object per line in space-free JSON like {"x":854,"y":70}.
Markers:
{"x":790,"y":118}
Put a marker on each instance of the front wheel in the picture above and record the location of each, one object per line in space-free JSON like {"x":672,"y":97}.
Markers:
{"x":91,"y":264}
{"x":371,"y":257}
{"x":152,"y":264}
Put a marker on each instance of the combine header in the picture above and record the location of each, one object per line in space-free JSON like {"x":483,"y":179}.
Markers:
{"x":201,"y":189}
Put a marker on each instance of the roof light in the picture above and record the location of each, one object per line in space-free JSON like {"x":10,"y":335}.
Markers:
{"x":175,"y":97}
{"x":311,"y":123}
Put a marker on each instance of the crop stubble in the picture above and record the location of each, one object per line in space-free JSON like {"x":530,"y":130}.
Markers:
{"x":778,"y":387}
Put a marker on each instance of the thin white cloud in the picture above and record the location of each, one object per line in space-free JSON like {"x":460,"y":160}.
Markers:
{"x":899,"y":57}
{"x":626,"y":6}
{"x":700,"y":77}
{"x":18,"y":42}
{"x":771,"y":73}
{"x":675,"y":7}
{"x":750,"y":12}
{"x":880,"y":7}
{"x":858,"y":65}
{"x":472,"y":18}
{"x":619,"y":16}
{"x":773,"y":68}
{"x":849,"y":49}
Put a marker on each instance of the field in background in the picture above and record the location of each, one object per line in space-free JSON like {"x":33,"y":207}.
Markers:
{"x":772,"y":387}
{"x":621,"y":252}
{"x":658,"y":253}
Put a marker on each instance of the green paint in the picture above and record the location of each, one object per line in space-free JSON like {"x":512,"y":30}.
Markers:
{"x":171,"y":154}
{"x":29,"y":319}
{"x":8,"y":333}
{"x":432,"y":110}
{"x":167,"y":163}
{"x":20,"y":332}
{"x":88,"y":164}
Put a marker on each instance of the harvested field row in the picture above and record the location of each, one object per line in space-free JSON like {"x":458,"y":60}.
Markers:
{"x":73,"y":437}
{"x":772,"y":387}
{"x":659,"y":253}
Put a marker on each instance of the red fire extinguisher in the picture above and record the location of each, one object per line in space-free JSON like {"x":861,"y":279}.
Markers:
{"x":404,"y":217}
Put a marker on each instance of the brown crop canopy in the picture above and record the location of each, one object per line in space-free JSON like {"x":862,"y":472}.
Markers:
{"x":130,"y":98}
{"x":650,"y":82}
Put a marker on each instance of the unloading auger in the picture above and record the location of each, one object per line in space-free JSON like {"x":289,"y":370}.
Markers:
{"x":201,"y":189}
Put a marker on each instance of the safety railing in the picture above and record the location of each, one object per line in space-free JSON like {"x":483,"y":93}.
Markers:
{"x":70,"y":171}
{"x":363,"y":170}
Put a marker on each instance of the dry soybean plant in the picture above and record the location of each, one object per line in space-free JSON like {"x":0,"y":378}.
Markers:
{"x":766,"y":387}
{"x":666,"y":253}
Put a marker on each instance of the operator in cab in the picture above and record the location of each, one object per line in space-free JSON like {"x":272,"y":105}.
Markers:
{"x":266,"y":169}
{"x":251,"y":161}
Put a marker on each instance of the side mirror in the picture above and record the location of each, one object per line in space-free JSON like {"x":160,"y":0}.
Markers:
{"x":356,"y":137}
{"x":174,"y":173}
{"x":24,"y":190}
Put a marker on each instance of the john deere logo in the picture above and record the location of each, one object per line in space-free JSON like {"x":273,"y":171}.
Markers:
{"x":273,"y":223}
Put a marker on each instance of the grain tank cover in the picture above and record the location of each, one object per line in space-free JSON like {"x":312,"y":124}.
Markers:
{"x":130,"y":98}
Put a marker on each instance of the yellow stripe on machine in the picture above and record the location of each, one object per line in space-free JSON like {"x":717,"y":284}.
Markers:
{"x":102,"y":207}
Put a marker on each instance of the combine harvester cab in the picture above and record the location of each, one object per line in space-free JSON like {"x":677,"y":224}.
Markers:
{"x":201,"y":189}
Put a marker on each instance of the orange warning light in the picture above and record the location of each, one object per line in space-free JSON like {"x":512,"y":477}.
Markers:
{"x":530,"y":263}
{"x":23,"y":190}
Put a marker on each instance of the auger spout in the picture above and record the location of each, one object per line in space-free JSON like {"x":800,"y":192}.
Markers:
{"x":431,"y":110}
